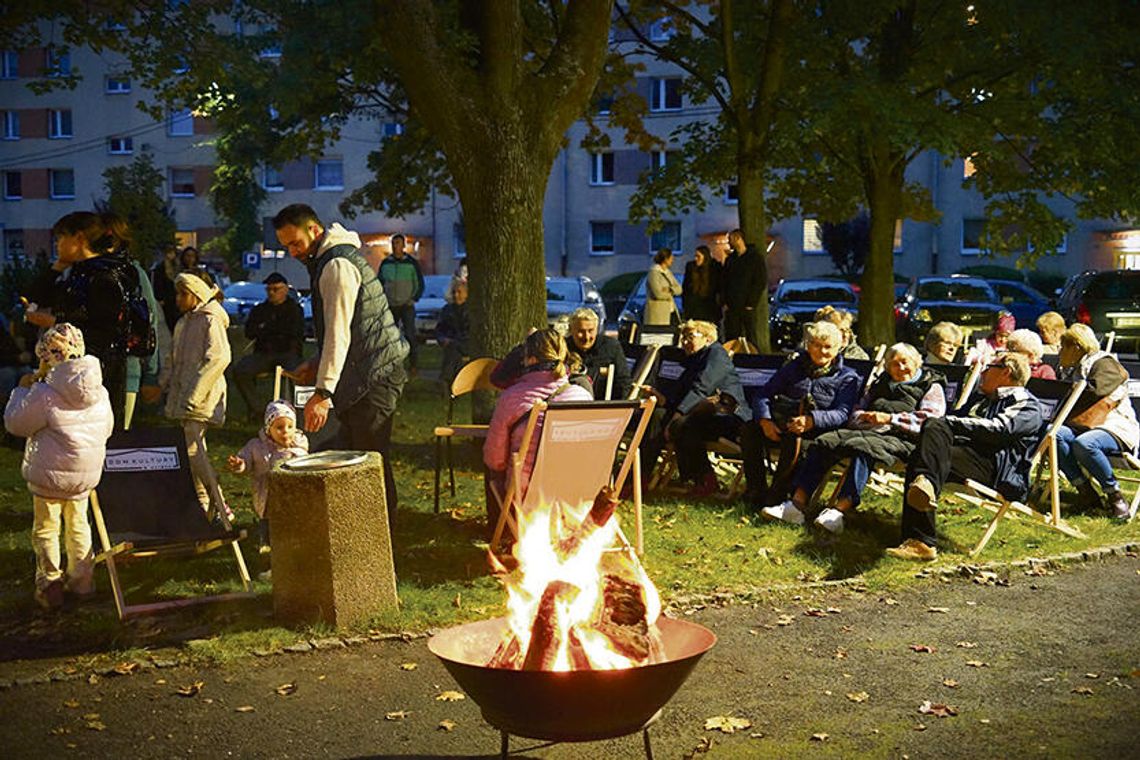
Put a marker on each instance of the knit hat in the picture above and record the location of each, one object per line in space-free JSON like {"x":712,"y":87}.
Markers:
{"x":59,"y":343}
{"x":1005,"y":323}
{"x":275,"y":409}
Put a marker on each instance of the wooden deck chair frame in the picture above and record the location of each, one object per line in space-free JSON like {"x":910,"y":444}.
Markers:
{"x":128,"y":550}
{"x":473,"y":376}
{"x":511,"y":500}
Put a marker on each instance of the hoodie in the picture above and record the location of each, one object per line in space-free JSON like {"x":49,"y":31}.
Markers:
{"x":197,"y":389}
{"x":67,"y":419}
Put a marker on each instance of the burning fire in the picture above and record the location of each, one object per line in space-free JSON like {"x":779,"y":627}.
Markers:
{"x":576,"y":601}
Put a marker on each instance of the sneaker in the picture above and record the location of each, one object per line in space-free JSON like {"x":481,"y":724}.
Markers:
{"x":266,"y":576}
{"x":830,"y":520}
{"x":921,"y":495}
{"x":786,"y":512}
{"x":706,"y":486}
{"x":1121,"y":509}
{"x":914,"y":550}
{"x":50,"y":597}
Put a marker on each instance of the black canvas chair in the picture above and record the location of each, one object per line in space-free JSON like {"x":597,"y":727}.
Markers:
{"x":145,"y":506}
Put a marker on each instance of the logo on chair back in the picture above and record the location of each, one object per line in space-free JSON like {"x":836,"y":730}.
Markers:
{"x":141,"y":460}
{"x":584,"y":431}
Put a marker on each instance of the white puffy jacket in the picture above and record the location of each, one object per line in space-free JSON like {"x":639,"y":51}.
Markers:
{"x":67,"y":420}
{"x":197,"y":389}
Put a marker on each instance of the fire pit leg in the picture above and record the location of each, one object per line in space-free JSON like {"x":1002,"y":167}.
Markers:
{"x":505,"y":744}
{"x":648,"y":748}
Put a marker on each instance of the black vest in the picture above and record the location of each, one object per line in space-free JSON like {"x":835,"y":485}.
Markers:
{"x":904,"y":397}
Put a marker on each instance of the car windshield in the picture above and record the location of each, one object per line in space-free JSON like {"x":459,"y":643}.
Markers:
{"x":563,"y":290}
{"x":949,"y":290}
{"x":1114,"y":285}
{"x":435,"y":285}
{"x":816,"y":294}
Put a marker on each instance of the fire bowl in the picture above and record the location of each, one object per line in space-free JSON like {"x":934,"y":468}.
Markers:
{"x":570,"y":706}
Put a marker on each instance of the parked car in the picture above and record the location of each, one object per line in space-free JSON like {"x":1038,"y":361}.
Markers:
{"x":969,"y":302}
{"x":430,"y":304}
{"x":565,"y":294}
{"x":634,"y":309}
{"x":1023,"y":301}
{"x":1105,"y":301}
{"x":240,"y":297}
{"x":796,"y":301}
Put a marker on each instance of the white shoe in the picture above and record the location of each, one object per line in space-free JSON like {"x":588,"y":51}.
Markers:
{"x":786,"y":512}
{"x":830,"y":520}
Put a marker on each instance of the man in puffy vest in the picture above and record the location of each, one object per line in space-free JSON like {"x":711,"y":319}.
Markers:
{"x":359,"y":366}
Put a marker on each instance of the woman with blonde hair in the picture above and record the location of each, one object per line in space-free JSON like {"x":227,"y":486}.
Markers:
{"x":1050,"y":326}
{"x":1028,"y":343}
{"x":942,"y":343}
{"x":843,"y":320}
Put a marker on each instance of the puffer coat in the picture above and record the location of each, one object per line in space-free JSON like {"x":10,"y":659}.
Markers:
{"x":197,"y":389}
{"x":67,"y":419}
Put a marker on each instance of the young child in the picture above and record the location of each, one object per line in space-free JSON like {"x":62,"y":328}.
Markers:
{"x":65,"y":413}
{"x":197,"y":386}
{"x":277,"y":441}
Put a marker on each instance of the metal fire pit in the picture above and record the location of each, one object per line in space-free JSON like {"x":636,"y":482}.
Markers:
{"x":571,"y":706}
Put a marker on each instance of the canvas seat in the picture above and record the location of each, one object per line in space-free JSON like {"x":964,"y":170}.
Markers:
{"x":474,"y":376}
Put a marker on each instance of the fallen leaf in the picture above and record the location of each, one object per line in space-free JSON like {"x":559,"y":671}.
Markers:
{"x":1083,"y":690}
{"x":397,"y":715}
{"x":208,"y":701}
{"x":922,"y":648}
{"x":756,"y":735}
{"x":244,"y":709}
{"x":834,"y":611}
{"x":447,"y":725}
{"x":966,"y":644}
{"x":71,"y":703}
{"x":813,"y":612}
{"x":820,"y":737}
{"x":976,"y":664}
{"x":408,"y":666}
{"x":840,"y":653}
{"x":160,"y":682}
{"x":1092,"y":675}
{"x":190,"y":690}
{"x":126,"y":668}
{"x":937,"y":709}
{"x":784,"y":620}
{"x":450,"y":696}
{"x":726,"y":723}
{"x":857,"y":696}
{"x":984,"y":720}
{"x":950,"y":683}
{"x":92,"y":679}
{"x":91,"y":716}
{"x":938,"y":609}
{"x":920,"y":727}
{"x":60,"y":731}
{"x":96,"y":725}
{"x":458,"y":600}
{"x":286,"y":689}
{"x":890,"y":602}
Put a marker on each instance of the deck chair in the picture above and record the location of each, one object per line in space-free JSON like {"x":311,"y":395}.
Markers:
{"x":474,"y":376}
{"x":577,"y":447}
{"x":145,"y":506}
{"x":739,"y":346}
{"x":656,"y":335}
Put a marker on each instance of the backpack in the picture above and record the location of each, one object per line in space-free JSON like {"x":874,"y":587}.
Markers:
{"x":135,"y":332}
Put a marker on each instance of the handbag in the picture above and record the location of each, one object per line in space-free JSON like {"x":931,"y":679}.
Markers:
{"x":1094,"y":416}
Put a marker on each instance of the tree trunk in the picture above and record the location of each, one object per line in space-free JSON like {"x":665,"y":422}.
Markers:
{"x":754,"y":224}
{"x":876,"y":303}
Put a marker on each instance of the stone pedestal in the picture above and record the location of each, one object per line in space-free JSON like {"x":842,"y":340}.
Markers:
{"x":332,"y":548}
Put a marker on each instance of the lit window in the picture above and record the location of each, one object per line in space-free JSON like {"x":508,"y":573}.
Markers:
{"x":9,"y":64}
{"x":117,"y":85}
{"x":11,"y":125}
{"x":601,"y":238}
{"x":665,"y":94}
{"x":13,"y":186}
{"x":62,"y":183}
{"x":669,"y":236}
{"x":813,"y":236}
{"x":972,"y":230}
{"x":180,"y":123}
{"x":59,"y":123}
{"x":182,"y":183}
{"x":329,"y":174}
{"x":271,"y":179}
{"x":601,"y":168}
{"x":121,"y":146}
{"x":968,"y":168}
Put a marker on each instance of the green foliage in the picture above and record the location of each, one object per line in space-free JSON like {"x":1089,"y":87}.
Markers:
{"x":848,"y":244}
{"x":134,"y":192}
{"x":236,"y":196}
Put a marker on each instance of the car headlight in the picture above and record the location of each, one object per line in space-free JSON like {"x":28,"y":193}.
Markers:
{"x":787,"y":317}
{"x":923,"y":315}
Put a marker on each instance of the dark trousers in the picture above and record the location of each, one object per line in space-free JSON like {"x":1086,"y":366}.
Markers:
{"x":250,"y":366}
{"x":690,"y":433}
{"x":115,"y":381}
{"x":740,"y":322}
{"x":941,"y":460}
{"x":754,"y":447}
{"x":405,"y":316}
{"x":367,"y":426}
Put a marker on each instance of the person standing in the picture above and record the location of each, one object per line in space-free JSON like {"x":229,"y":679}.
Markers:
{"x":162,"y":280}
{"x":277,"y":328}
{"x":742,"y":289}
{"x":661,"y":287}
{"x":403,"y":285}
{"x":360,"y":352}
{"x":700,"y":291}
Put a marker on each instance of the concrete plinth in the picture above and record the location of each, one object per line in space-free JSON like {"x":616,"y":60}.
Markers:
{"x":332,"y":549}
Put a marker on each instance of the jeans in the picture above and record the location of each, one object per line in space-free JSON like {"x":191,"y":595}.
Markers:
{"x":405,"y":316}
{"x":1088,"y":451}
{"x":77,"y":537}
{"x":817,"y":463}
{"x":205,"y":479}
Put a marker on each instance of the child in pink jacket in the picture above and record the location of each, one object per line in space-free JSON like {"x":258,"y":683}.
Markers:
{"x":64,"y":412}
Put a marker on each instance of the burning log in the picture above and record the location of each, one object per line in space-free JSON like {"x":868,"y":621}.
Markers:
{"x":545,"y":635}
{"x":507,"y":654}
{"x":604,"y":505}
{"x":624,"y":621}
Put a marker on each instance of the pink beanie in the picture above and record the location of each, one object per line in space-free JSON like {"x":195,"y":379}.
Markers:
{"x":1005,"y":323}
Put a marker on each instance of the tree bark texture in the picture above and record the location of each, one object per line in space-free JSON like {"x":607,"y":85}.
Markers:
{"x":884,"y":187}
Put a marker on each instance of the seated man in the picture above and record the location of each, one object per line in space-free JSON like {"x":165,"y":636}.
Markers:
{"x":277,"y":328}
{"x":990,"y":440}
{"x":451,"y":333}
{"x":597,"y":351}
{"x":811,"y":394}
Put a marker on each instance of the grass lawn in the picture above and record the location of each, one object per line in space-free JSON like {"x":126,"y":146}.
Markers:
{"x":692,"y":548}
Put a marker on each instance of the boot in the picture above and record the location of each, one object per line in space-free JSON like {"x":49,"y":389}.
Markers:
{"x":1121,"y":510}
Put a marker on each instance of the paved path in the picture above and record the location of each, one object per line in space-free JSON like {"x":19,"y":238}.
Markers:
{"x":1048,"y":666}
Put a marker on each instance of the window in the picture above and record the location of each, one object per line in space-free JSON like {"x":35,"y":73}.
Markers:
{"x":391,"y":129}
{"x":601,"y":238}
{"x":13,"y":245}
{"x":732,"y":194}
{"x":661,"y":30}
{"x":601,"y":168}
{"x":117,"y":85}
{"x":972,"y":230}
{"x":272,"y":50}
{"x":9,"y":64}
{"x":11,"y":125}
{"x":58,"y":63}
{"x":121,"y":146}
{"x":59,"y":123}
{"x":62,"y":183}
{"x":182,"y":183}
{"x":329,"y":174}
{"x":180,"y":123}
{"x":13,"y":186}
{"x":271,"y":179}
{"x":659,"y":159}
{"x":665,"y":94}
{"x":669,"y":236}
{"x":459,"y":233}
{"x":813,"y":236}
{"x":603,"y":104}
{"x":897,"y":242}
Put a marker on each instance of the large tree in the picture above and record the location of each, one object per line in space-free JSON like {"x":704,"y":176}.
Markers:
{"x":134,"y":192}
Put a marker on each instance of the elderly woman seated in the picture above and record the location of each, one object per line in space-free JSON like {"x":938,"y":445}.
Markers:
{"x":1050,"y":327}
{"x":942,"y":343}
{"x":1101,"y":423}
{"x":843,"y":320}
{"x":706,"y":403}
{"x":882,"y":430}
{"x":811,"y":394}
{"x":987,"y":349}
{"x":1028,"y":343}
